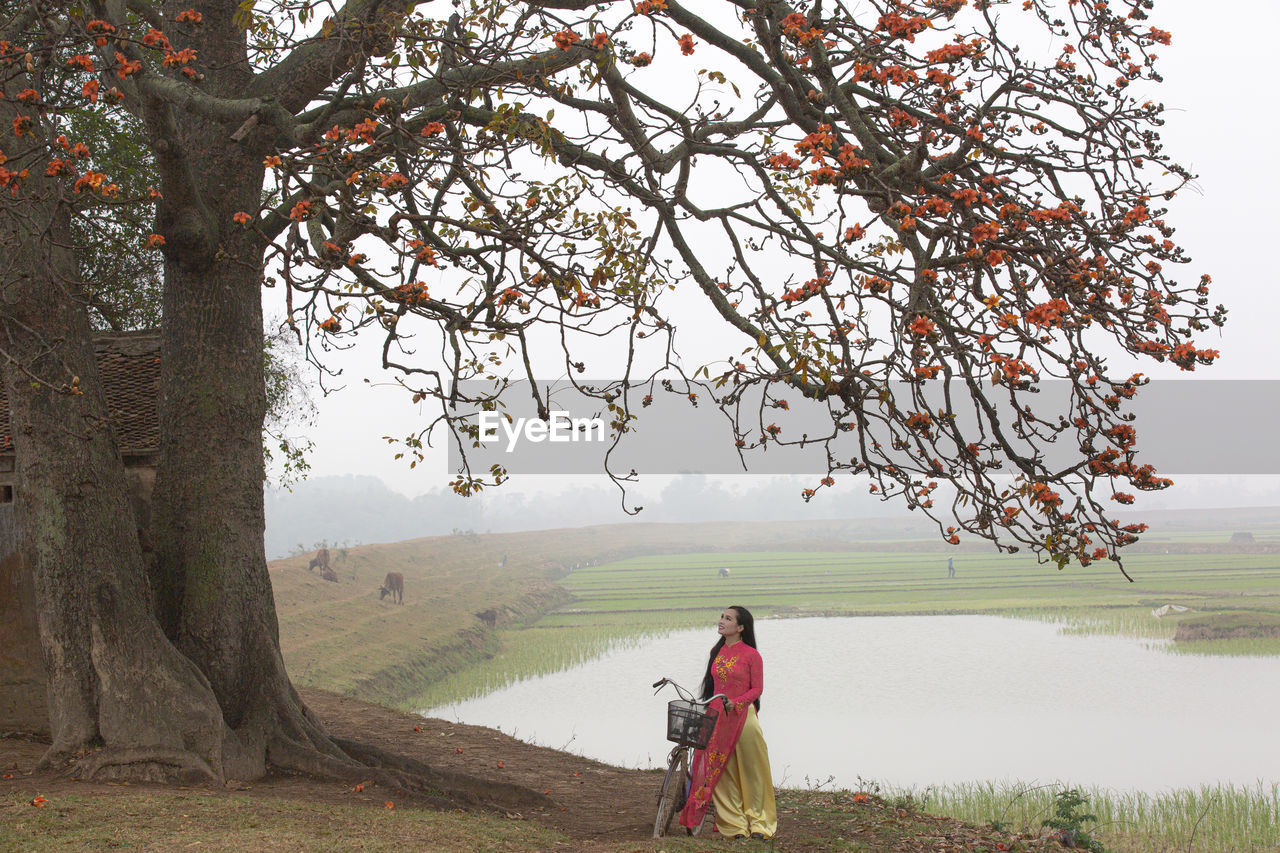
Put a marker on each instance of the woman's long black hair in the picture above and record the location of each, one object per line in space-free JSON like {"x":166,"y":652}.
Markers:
{"x":748,"y":623}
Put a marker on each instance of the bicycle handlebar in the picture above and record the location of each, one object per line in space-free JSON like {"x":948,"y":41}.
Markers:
{"x":686,"y":695}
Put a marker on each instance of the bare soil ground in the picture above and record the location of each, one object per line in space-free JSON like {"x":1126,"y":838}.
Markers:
{"x":596,"y":805}
{"x":592,"y":801}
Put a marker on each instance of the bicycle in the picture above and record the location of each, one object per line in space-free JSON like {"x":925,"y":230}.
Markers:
{"x":689,"y":727}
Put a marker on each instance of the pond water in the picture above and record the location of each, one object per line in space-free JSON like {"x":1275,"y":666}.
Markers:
{"x":921,"y":700}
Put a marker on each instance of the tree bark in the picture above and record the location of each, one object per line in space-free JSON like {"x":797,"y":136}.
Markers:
{"x":114,"y":682}
{"x":213,"y":592}
{"x":181,"y":678}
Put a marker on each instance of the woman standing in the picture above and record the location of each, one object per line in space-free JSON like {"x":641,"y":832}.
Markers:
{"x":734,"y":768}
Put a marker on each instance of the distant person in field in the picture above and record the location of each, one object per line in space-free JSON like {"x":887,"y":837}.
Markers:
{"x":951,"y":567}
{"x":724,"y":571}
{"x":734,"y":768}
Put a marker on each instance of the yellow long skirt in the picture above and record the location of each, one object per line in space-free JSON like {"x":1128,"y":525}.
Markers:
{"x":744,"y":794}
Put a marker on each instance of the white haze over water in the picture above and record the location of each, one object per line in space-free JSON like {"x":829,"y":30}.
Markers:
{"x":931,"y":700}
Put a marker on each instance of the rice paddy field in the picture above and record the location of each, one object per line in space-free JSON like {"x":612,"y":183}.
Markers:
{"x":670,"y":591}
{"x":623,"y":602}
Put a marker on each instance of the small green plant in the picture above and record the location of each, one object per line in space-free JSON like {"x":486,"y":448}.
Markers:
{"x":1069,"y":818}
{"x":911,"y":800}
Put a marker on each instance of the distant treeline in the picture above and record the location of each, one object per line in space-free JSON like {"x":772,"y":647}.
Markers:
{"x":354,"y":510}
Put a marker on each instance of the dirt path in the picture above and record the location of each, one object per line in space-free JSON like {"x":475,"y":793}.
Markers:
{"x":591,"y":802}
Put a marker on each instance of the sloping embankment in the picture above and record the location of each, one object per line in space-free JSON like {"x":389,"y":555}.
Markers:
{"x":343,"y":637}
{"x":461,"y":590}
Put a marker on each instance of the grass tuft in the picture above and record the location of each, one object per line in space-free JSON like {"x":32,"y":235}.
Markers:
{"x":1209,"y":819}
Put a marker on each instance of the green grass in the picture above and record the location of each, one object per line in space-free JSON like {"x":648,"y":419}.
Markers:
{"x":897,"y":582}
{"x":1239,"y":620}
{"x":1135,"y":622}
{"x":1241,"y":647}
{"x":621,"y":603}
{"x":1210,"y":819}
{"x":651,"y":578}
{"x":1230,"y":632}
{"x":532,"y":652}
{"x":1093,"y":599}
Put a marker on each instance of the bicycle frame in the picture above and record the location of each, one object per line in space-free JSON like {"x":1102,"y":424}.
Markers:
{"x":674,"y":790}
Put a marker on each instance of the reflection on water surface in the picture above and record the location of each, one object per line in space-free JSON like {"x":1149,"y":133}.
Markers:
{"x":919,"y":700}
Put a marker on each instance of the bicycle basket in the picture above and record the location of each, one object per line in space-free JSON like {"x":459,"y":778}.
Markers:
{"x":689,"y":723}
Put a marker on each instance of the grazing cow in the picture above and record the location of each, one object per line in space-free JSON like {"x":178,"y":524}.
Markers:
{"x":392,"y":586}
{"x":329,"y":574}
{"x":321,"y":559}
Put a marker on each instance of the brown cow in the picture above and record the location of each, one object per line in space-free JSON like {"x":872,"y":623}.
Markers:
{"x":329,"y":574}
{"x":392,"y":586}
{"x":321,"y":559}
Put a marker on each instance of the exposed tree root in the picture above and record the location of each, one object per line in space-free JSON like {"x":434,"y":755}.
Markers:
{"x":299,"y":743}
{"x":504,"y":795}
{"x":443,"y":789}
{"x":286,"y":737}
{"x":163,"y":766}
{"x":278,"y":732}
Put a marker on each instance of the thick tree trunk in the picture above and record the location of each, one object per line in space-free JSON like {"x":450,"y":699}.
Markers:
{"x":22,"y":684}
{"x":208,"y":510}
{"x":183,"y":678}
{"x":113,"y":679}
{"x":213,"y":592}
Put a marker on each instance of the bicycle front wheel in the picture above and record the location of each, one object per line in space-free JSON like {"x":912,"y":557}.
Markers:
{"x":671,"y":795}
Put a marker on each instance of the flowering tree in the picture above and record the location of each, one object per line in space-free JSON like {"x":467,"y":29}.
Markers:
{"x":535,"y":180}
{"x":974,"y":222}
{"x":204,"y":694}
